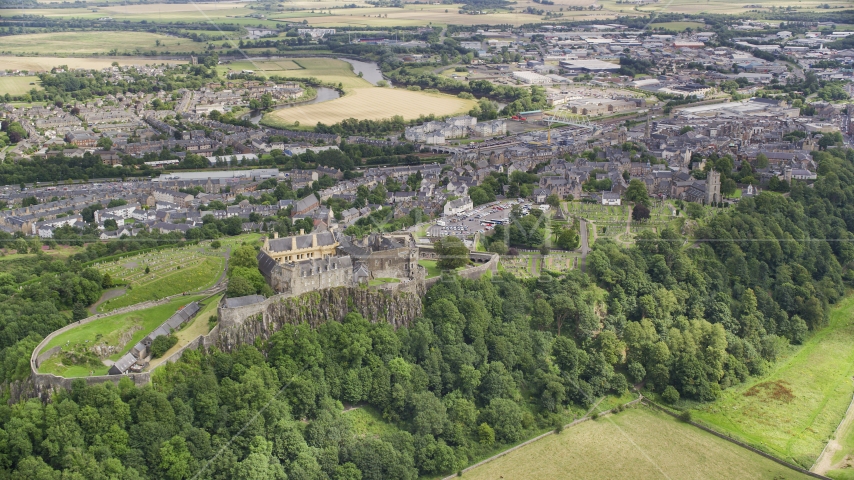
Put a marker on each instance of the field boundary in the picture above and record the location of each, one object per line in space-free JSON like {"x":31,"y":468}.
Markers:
{"x":738,"y":442}
{"x":542,"y":436}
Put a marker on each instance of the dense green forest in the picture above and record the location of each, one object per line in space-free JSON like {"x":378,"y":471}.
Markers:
{"x":491,"y":362}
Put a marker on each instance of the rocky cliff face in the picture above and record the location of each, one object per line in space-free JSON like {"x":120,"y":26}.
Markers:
{"x":315,"y":308}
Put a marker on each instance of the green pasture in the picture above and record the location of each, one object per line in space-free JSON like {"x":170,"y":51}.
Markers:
{"x":18,"y":85}
{"x":794,"y":409}
{"x":645,"y":442}
{"x":88,"y":43}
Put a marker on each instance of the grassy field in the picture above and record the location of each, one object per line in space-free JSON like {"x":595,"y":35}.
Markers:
{"x":372,"y":103}
{"x":793,"y":410}
{"x":382,"y":281}
{"x":328,"y":70}
{"x":678,"y":26}
{"x":171,"y":272}
{"x":120,"y":332}
{"x":432,"y":269}
{"x":18,"y":85}
{"x":42,"y":63}
{"x":649,"y":444}
{"x":87,"y":43}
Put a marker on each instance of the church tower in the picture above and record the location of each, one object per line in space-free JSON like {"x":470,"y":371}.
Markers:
{"x":713,"y":187}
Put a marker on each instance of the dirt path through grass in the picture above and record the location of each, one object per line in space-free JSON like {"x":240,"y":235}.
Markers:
{"x":108,"y":295}
{"x":825,"y":460}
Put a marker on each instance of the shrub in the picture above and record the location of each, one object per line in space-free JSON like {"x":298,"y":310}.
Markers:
{"x":670,"y":395}
{"x":162,"y":344}
{"x":685,"y":416}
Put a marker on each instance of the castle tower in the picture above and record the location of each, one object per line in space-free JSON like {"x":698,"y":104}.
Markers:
{"x":713,"y":187}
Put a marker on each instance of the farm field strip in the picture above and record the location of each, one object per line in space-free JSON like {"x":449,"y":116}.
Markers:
{"x":87,"y":43}
{"x":18,"y":85}
{"x":647,"y":443}
{"x":45,"y":63}
{"x":371,"y":103}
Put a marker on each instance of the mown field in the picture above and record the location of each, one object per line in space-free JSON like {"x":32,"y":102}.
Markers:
{"x":678,"y":26}
{"x":118,"y":331}
{"x":794,"y":409}
{"x":18,"y":85}
{"x":45,"y":63}
{"x":88,"y":43}
{"x":372,"y":103}
{"x":171,"y":272}
{"x":638,"y":443}
{"x":328,"y":70}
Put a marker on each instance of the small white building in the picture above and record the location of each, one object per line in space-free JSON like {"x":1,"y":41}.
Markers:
{"x":611,"y":199}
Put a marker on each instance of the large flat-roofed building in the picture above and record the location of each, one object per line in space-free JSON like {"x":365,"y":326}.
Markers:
{"x":532,"y":78}
{"x":220,"y":174}
{"x":589,"y":66}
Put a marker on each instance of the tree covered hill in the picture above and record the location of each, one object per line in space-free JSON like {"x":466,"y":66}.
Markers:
{"x":492,"y":361}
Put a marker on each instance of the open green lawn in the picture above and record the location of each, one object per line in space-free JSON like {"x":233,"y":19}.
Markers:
{"x":432,"y":269}
{"x":18,"y":85}
{"x":121,"y":332}
{"x":171,"y":271}
{"x":638,"y":443}
{"x":795,"y":408}
{"x":382,"y":281}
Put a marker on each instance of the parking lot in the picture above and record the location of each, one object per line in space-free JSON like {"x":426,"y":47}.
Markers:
{"x":470,"y":222}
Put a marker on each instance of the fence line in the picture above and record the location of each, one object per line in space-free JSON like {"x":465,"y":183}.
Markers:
{"x":539,"y":437}
{"x":739,"y":443}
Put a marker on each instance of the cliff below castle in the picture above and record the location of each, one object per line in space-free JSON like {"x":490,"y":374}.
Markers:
{"x":244,"y":325}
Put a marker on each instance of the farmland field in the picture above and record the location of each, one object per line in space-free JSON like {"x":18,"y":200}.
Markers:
{"x":87,"y":43}
{"x":120,"y":332}
{"x":328,"y":70}
{"x":678,"y":26}
{"x":18,"y":85}
{"x":647,"y":443}
{"x":794,"y":409}
{"x":371,"y":103}
{"x":729,"y":7}
{"x":41,"y":63}
{"x":171,"y":272}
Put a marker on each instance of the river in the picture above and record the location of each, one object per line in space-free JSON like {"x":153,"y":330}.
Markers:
{"x":370,"y":70}
{"x":324,"y":94}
